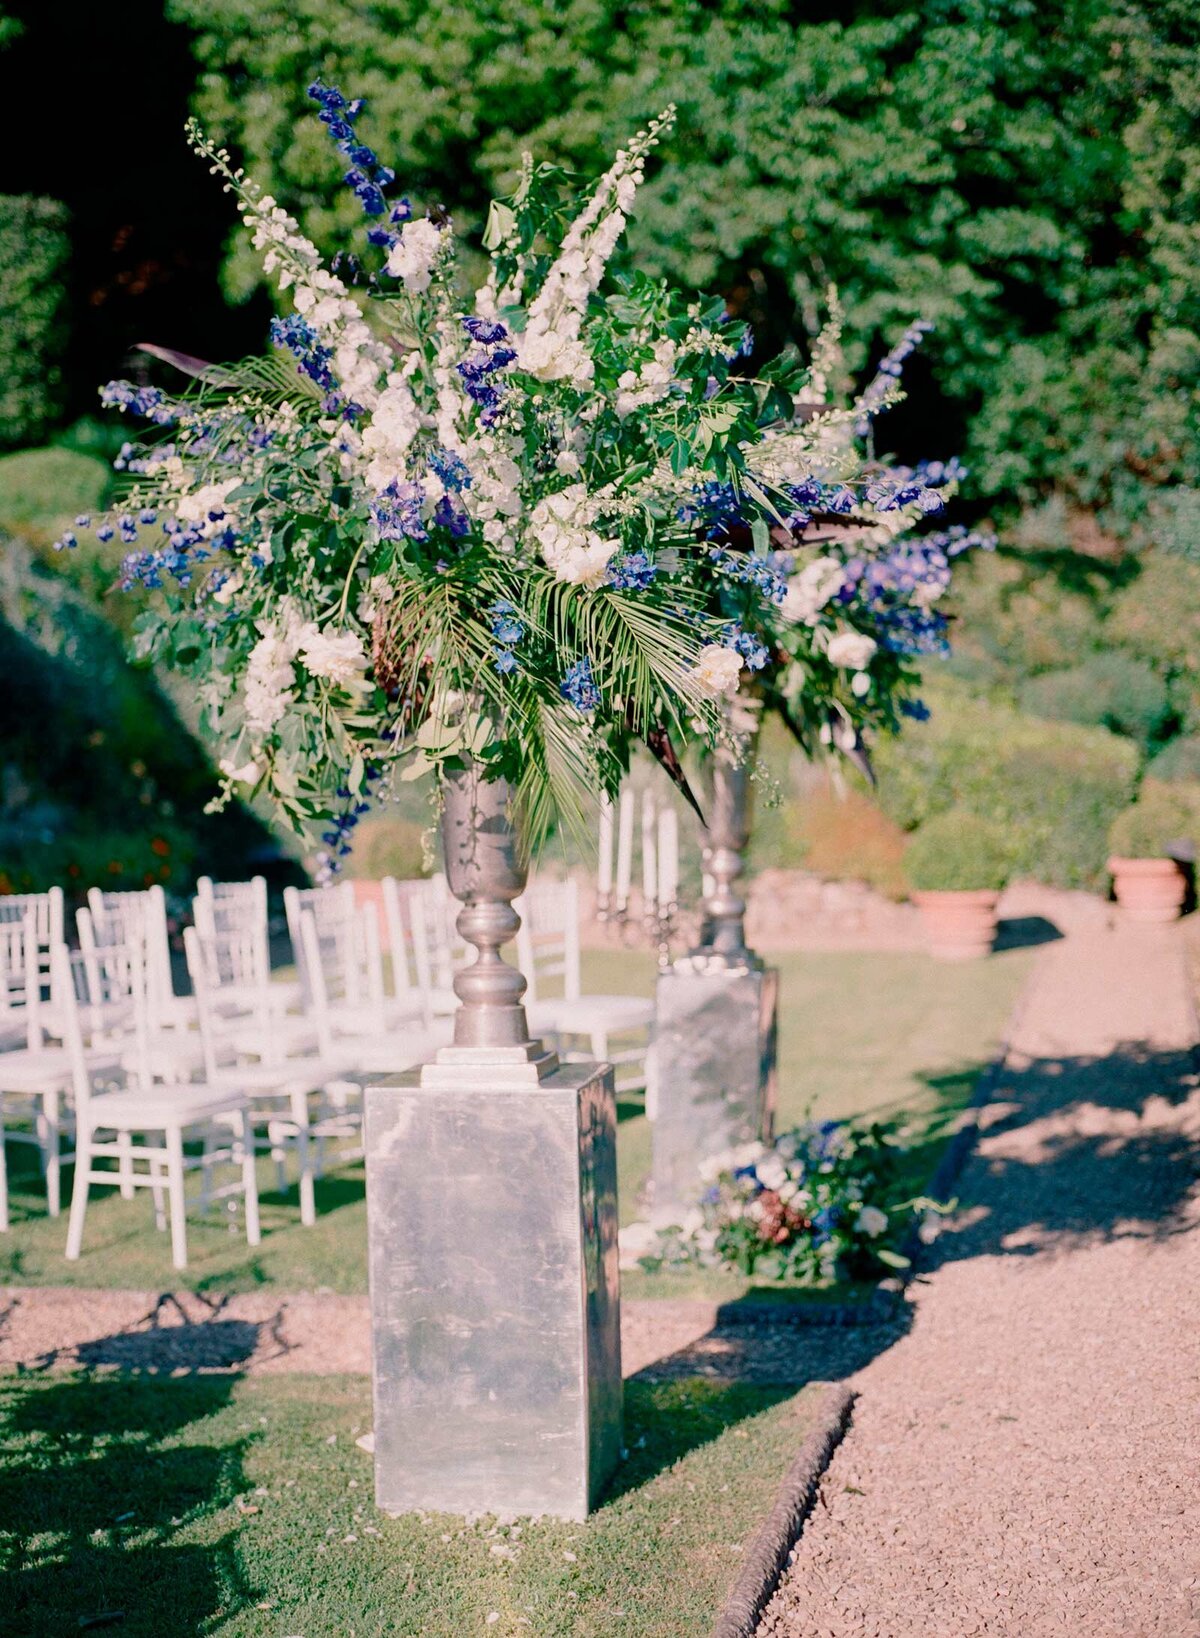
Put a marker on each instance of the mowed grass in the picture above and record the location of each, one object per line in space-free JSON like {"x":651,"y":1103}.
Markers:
{"x":216,"y":1505}
{"x":859,"y":1034}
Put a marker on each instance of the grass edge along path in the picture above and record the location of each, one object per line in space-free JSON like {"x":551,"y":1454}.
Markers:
{"x":243,"y":1506}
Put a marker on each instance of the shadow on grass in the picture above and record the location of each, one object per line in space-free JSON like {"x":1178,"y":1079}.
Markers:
{"x":100,"y":1474}
{"x":1025,"y":932}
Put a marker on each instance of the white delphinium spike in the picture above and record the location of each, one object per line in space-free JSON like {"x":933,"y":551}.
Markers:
{"x":550,"y":347}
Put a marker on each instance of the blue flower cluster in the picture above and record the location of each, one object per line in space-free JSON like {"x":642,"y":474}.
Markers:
{"x":752,"y":649}
{"x":478,"y":371}
{"x":889,"y":370}
{"x":889,"y":494}
{"x":958,"y":539}
{"x":750,"y":570}
{"x":299,"y":337}
{"x":579,"y":687}
{"x":150,"y":402}
{"x":451,"y":469}
{"x":916,"y":710}
{"x":396,"y":511}
{"x":632,"y":571}
{"x":186,"y":546}
{"x":508,"y":630}
{"x":713,"y":506}
{"x":367,"y":177}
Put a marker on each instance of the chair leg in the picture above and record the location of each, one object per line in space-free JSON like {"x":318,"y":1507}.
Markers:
{"x":125,"y":1164}
{"x":79,"y":1194}
{"x":249,"y":1182}
{"x":304,"y":1155}
{"x":278,"y":1155}
{"x":175,"y":1199}
{"x":206,"y":1171}
{"x":3,"y":1179}
{"x":156,"y":1192}
{"x":51,"y":1155}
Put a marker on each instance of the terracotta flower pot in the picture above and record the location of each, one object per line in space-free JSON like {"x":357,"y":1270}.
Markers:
{"x":1148,"y":889}
{"x":960,"y":926}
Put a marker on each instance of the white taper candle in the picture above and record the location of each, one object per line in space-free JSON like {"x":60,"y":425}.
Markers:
{"x":624,"y":847}
{"x":604,"y":875}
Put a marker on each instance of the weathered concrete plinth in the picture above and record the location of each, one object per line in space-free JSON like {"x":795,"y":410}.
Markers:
{"x":714,"y":1068}
{"x":492,"y":1224}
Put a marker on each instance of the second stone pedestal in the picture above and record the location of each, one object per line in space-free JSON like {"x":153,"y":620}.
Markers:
{"x":492,"y":1224}
{"x":714,"y":1072}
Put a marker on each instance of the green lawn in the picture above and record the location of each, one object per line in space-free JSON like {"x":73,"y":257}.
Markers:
{"x":858,"y":1034}
{"x":213,"y":1505}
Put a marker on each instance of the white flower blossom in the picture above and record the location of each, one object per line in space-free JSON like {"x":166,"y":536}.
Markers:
{"x":339,"y":656}
{"x":809,"y":591}
{"x":851,"y":649}
{"x":561,"y":526}
{"x":395,"y":422}
{"x":414,"y":254}
{"x":247,"y":773}
{"x":269,"y":680}
{"x":872,"y":1221}
{"x":718,"y":669}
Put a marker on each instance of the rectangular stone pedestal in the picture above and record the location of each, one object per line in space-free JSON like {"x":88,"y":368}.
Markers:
{"x":715,"y":1074}
{"x":492,"y":1226}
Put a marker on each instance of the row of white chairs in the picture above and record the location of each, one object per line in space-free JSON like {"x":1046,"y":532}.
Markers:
{"x":97,"y":1044}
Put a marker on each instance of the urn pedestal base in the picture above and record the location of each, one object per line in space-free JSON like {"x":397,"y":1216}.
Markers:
{"x":492,"y":1226}
{"x":714,"y":1069}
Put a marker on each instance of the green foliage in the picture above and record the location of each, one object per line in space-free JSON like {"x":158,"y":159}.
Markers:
{"x":100,"y":783}
{"x":958,"y":851}
{"x":40,"y":488}
{"x":1180,"y":760}
{"x":1026,"y":175}
{"x":1107,"y":690}
{"x":1054,"y":787}
{"x":34,"y":249}
{"x":1163,"y":817}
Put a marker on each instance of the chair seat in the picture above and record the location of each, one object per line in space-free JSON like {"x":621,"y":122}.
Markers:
{"x":26,"y":1071}
{"x":382,"y":1054}
{"x":281,"y":1037}
{"x":157,"y":1107}
{"x":166,"y":1057}
{"x":586,"y":1014}
{"x":282,"y":1076}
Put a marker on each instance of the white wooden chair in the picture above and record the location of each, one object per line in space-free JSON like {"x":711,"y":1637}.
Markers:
{"x":421,"y":979}
{"x":36,"y":1079}
{"x":144,"y":1120}
{"x":363,"y":1040}
{"x":236,"y":907}
{"x":280,"y":1089}
{"x":548,"y":950}
{"x":48,"y":919}
{"x":140,"y":917}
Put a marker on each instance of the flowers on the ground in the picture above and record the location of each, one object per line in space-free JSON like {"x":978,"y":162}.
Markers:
{"x":826,"y":1201}
{"x":535,"y":523}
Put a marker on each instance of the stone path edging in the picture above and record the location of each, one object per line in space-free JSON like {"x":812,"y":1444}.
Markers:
{"x":764,"y":1559}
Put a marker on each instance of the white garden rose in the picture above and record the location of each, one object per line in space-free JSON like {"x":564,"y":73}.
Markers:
{"x":561,"y":526}
{"x":717,"y":669}
{"x":872,"y":1221}
{"x":772,"y":1173}
{"x":338,"y":656}
{"x":851,"y":649}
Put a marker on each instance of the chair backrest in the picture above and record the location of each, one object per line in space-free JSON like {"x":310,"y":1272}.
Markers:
{"x":46,"y":909}
{"x":332,"y":908}
{"x":406,"y":907}
{"x":140,"y":918}
{"x":226,"y":907}
{"x":20,"y":980}
{"x":548,"y":938}
{"x":87,"y":988}
{"x":344,"y":962}
{"x":228,"y":964}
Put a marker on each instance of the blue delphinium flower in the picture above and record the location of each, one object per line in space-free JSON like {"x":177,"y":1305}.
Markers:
{"x":579,"y":687}
{"x":451,"y":469}
{"x":149,"y":402}
{"x":916,"y":710}
{"x":367,"y":177}
{"x":299,"y":337}
{"x":752,"y":649}
{"x":714,"y":505}
{"x":507,"y":627}
{"x":504,"y":661}
{"x":397,"y":512}
{"x":448,"y":516}
{"x":750,"y":570}
{"x":632,"y":571}
{"x":484,"y":330}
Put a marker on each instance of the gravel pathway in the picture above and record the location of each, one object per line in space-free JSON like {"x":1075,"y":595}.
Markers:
{"x":1024,"y":1460}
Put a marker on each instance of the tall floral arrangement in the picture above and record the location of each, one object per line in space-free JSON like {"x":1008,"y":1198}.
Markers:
{"x":531,"y":525}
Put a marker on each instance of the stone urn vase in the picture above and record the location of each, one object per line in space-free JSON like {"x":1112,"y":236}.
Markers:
{"x":960,"y":925}
{"x":1150,"y":890}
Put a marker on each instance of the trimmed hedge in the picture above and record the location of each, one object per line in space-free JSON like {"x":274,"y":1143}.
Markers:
{"x":1110,"y":690}
{"x":34,"y":251}
{"x":1055,"y":787}
{"x":958,"y":851}
{"x":39,"y":488}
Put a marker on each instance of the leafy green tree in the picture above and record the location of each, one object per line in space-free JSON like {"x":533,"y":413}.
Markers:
{"x":1027,"y":174}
